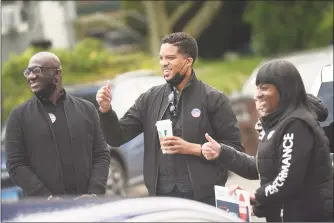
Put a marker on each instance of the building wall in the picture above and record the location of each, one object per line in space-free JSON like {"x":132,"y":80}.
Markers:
{"x":54,"y":27}
{"x":48,"y":20}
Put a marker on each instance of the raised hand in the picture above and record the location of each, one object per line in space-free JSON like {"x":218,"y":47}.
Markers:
{"x":103,"y":97}
{"x":210,"y":149}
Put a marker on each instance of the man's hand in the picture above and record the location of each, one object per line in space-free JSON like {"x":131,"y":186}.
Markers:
{"x":86,"y":196}
{"x":210,"y":149}
{"x":174,"y":145}
{"x":103,"y":98}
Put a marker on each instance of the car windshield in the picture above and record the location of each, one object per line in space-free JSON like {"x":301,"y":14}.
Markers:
{"x":326,"y":96}
{"x":127,"y":91}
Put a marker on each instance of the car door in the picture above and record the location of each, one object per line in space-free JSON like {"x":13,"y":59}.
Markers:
{"x":125,"y":94}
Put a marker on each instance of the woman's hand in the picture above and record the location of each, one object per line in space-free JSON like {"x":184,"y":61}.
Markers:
{"x":211,"y":149}
{"x":231,"y":191}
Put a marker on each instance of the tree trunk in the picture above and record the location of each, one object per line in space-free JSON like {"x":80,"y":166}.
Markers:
{"x":164,"y":25}
{"x":160,"y":24}
{"x":153,"y":24}
{"x":176,"y":15}
{"x":196,"y":26}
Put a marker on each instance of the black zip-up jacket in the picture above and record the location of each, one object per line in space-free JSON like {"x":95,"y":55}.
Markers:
{"x":33,"y":161}
{"x":294,"y":167}
{"x":216,"y":118}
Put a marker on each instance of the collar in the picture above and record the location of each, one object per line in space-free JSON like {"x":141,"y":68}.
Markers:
{"x":60,"y":99}
{"x":272,"y":119}
{"x":189,"y":83}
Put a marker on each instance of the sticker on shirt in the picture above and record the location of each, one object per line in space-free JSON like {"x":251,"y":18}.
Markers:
{"x":270,"y":134}
{"x":52,"y":117}
{"x":196,"y":112}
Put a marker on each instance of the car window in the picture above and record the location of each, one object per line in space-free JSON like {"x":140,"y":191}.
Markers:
{"x":123,"y":96}
{"x":326,"y":96}
{"x":126,"y":92}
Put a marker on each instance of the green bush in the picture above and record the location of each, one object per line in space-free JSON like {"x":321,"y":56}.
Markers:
{"x":285,"y":26}
{"x":88,"y":61}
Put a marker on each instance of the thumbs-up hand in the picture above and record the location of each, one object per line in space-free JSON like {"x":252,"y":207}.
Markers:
{"x":103,"y":97}
{"x":210,"y":149}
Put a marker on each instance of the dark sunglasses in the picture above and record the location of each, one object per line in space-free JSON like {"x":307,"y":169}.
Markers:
{"x":38,"y":70}
{"x":172,"y":109}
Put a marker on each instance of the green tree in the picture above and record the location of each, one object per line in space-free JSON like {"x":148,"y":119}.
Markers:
{"x":161,"y":23}
{"x":284,"y":26}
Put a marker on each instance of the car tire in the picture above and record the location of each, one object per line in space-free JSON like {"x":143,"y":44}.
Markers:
{"x":117,"y":182}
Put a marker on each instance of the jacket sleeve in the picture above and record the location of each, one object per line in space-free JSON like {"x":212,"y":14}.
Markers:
{"x":101,"y":159}
{"x":17,"y":163}
{"x":295,"y":151}
{"x":238,"y":162}
{"x":118,"y":132}
{"x":224,"y":122}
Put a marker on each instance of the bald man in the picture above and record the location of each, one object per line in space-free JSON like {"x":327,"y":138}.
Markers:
{"x":54,"y":143}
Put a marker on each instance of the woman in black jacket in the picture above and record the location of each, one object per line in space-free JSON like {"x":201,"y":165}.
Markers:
{"x":293,"y":163}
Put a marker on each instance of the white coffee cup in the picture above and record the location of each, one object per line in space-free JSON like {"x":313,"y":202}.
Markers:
{"x":164,"y":128}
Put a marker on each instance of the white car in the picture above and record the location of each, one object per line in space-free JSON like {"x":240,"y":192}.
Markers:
{"x":308,"y":63}
{"x":323,"y":89}
{"x":113,"y":209}
{"x":320,"y":84}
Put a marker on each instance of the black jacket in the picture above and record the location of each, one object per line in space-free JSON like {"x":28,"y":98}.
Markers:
{"x":294,"y":168}
{"x":33,"y":160}
{"x":216,"y":118}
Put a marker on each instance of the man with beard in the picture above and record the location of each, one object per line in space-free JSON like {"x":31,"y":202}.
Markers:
{"x":54,"y":143}
{"x":194,"y":109}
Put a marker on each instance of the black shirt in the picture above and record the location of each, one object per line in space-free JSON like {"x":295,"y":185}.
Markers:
{"x":173,"y":169}
{"x":63,"y":141}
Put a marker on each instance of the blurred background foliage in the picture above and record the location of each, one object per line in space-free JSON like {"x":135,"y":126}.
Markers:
{"x":89,"y":62}
{"x":285,"y":26}
{"x":252,"y":30}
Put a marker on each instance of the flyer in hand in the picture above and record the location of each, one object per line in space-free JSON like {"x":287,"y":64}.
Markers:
{"x":237,"y":203}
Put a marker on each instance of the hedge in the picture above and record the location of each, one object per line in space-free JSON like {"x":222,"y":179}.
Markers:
{"x":88,"y":61}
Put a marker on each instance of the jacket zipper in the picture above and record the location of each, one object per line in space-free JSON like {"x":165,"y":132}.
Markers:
{"x":54,"y":140}
{"x":69,"y":132}
{"x":157,"y":166}
{"x":191,"y":179}
{"x":187,"y":162}
{"x":256,"y":162}
{"x":282,"y":213}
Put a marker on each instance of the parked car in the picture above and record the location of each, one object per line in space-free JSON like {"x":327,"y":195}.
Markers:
{"x":320,"y":84}
{"x":323,"y":89}
{"x":126,"y":166}
{"x":9,"y":192}
{"x":115,"y":209}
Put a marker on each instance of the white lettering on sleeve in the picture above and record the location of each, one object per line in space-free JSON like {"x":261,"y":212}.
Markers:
{"x":286,"y":158}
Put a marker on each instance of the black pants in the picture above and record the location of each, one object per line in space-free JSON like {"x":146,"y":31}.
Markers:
{"x":188,"y":195}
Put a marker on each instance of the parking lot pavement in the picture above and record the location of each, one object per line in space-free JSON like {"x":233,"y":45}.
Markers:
{"x":249,"y":185}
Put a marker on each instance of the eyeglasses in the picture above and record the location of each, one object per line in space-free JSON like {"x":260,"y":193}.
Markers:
{"x":38,"y":70}
{"x":172,"y":109}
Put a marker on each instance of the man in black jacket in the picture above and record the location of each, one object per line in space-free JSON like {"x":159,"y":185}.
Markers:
{"x":54,"y":143}
{"x":194,"y":109}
